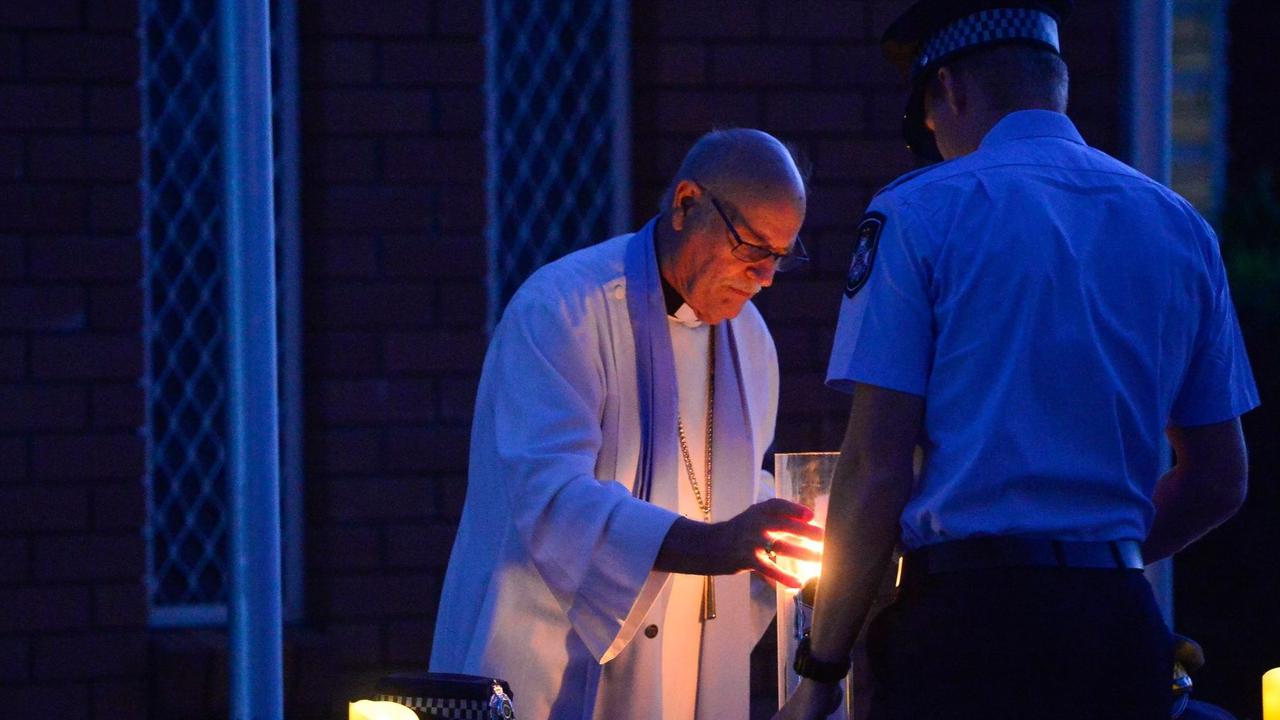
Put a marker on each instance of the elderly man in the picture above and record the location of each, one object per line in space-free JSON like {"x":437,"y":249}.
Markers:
{"x":1035,"y":314}
{"x":627,"y":398}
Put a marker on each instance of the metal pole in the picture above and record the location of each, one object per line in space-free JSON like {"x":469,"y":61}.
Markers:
{"x":253,"y":434}
{"x":1150,"y":117}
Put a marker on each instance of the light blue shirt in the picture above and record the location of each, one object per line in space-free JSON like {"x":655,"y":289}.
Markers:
{"x":1057,"y":310}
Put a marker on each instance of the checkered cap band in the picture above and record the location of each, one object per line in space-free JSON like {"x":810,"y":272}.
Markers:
{"x":986,"y":27}
{"x":448,"y":708}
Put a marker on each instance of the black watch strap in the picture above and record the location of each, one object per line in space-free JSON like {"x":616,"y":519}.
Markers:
{"x":807,"y":666}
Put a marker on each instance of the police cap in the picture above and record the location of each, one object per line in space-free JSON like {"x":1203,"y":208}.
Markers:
{"x":932,"y":33}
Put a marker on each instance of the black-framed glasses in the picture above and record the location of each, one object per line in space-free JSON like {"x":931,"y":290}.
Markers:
{"x":752,"y":253}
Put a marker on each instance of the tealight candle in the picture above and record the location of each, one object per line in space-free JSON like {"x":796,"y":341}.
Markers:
{"x":1271,"y":694}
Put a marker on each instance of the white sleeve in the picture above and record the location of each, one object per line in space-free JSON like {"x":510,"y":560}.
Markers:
{"x":593,"y":544}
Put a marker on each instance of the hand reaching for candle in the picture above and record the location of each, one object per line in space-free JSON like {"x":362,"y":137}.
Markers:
{"x":743,"y":542}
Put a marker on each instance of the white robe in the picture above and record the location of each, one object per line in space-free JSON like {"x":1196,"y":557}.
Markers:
{"x":551,"y":576}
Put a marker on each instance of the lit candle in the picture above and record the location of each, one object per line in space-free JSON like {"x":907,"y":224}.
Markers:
{"x":1271,"y":695}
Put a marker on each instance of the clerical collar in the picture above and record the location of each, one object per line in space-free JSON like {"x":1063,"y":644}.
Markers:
{"x":676,"y":306}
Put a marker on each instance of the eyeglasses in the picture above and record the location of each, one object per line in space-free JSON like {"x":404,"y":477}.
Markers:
{"x":752,"y":253}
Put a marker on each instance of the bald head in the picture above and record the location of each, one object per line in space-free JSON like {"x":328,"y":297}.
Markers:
{"x":746,"y":165}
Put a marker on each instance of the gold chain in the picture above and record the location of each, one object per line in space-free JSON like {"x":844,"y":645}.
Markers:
{"x":705,"y":507}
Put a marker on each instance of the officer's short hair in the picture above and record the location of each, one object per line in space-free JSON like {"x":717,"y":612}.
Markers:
{"x":1015,"y":76}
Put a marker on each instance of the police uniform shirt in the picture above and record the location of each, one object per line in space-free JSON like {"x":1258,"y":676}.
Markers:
{"x":1056,"y":310}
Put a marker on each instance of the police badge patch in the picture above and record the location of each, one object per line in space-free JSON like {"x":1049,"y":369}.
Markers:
{"x":864,"y":252}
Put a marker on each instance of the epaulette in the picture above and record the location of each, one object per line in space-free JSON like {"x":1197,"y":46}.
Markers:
{"x":909,"y":176}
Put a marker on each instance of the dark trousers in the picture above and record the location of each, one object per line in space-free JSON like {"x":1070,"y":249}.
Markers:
{"x":1042,"y":643}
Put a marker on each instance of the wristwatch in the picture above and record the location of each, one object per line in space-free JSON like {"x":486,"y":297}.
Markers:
{"x":807,"y":666}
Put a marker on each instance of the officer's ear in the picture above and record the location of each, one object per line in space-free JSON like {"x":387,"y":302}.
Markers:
{"x":952,"y":90}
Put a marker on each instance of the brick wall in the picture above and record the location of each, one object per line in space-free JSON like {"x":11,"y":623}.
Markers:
{"x":72,"y":608}
{"x":394,"y":305}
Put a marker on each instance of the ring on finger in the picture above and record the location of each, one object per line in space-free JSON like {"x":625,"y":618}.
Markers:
{"x":768,"y":550}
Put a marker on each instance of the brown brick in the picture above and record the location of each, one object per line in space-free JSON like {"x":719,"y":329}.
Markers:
{"x":409,"y":641}
{"x":15,"y":659}
{"x":10,"y":55}
{"x":87,"y":356}
{"x":113,"y":15}
{"x":393,"y":17}
{"x":13,"y":166}
{"x":354,"y":402}
{"x":101,"y":157}
{"x":119,"y":506}
{"x":338,"y":353}
{"x":845,"y":65}
{"x":42,"y":607}
{"x":420,"y":545}
{"x":45,"y":107}
{"x":411,"y":400}
{"x":698,"y":20}
{"x":90,"y":557}
{"x":670,"y":64}
{"x":869,"y":161}
{"x":451,"y":495}
{"x":13,"y":356}
{"x":51,"y":14}
{"x":347,"y":159}
{"x":344,"y":547}
{"x":761,"y":65}
{"x":13,"y":458}
{"x":459,"y":110}
{"x":447,"y":257}
{"x":427,"y":450}
{"x":346,"y":451}
{"x":82,"y":56}
{"x":116,"y":307}
{"x":356,"y":111}
{"x":50,"y":307}
{"x":115,"y":208}
{"x":348,"y":256}
{"x":15,"y":561}
{"x":87,"y":258}
{"x":65,"y":701}
{"x":434,"y":352}
{"x":434,"y":159}
{"x":378,"y":499}
{"x":117,"y":406}
{"x":458,"y":398}
{"x":377,"y":305}
{"x":843,"y":20}
{"x":460,"y":18}
{"x":382,"y":595}
{"x":463,"y":305}
{"x":43,"y":508}
{"x":833,"y":205}
{"x":378,"y":208}
{"x":91,"y":656}
{"x":114,"y":107}
{"x":44,"y":208}
{"x":42,"y":407}
{"x":698,"y":111}
{"x":434,"y":62}
{"x":808,"y":394}
{"x":120,"y":605}
{"x":120,"y":698}
{"x":344,"y":61}
{"x":884,"y":115}
{"x":360,"y":644}
{"x":793,"y":111}
{"x":88,"y":456}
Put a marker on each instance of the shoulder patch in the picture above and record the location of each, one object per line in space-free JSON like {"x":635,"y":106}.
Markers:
{"x":864,"y":252}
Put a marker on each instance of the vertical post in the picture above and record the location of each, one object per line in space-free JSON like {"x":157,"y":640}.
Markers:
{"x":289,"y":243}
{"x":253,"y":436}
{"x":1150,"y":117}
{"x":620,"y":102}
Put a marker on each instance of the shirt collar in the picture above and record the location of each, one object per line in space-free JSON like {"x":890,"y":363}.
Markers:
{"x":1025,"y":124}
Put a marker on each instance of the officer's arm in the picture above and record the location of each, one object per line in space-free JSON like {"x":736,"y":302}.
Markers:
{"x":871,"y":486}
{"x":1205,"y":486}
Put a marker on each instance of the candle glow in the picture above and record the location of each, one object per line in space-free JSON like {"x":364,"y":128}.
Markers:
{"x":1271,"y":694}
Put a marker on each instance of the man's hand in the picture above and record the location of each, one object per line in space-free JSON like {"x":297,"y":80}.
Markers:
{"x":740,"y":543}
{"x":811,"y":701}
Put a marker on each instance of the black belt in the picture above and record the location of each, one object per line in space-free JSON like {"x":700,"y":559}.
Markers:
{"x":981,"y":553}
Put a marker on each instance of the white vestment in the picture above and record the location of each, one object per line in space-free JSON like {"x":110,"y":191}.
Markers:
{"x":550,"y":582}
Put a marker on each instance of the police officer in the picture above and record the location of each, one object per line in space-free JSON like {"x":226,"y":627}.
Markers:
{"x":1034,"y":314}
